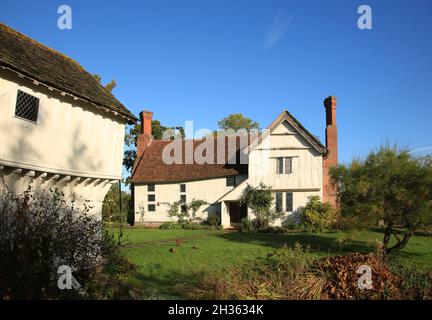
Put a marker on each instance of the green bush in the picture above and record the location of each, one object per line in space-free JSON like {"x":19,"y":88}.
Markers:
{"x":185,"y":212}
{"x":272,"y":230}
{"x":170,"y":226}
{"x":188,"y":226}
{"x":318,"y":216}
{"x":247,"y":225}
{"x":413,"y":284}
{"x":213,"y":220}
{"x":260,"y":200}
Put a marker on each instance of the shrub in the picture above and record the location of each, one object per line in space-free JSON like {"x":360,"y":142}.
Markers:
{"x":39,"y":233}
{"x":319,"y":216}
{"x":272,"y":230}
{"x":189,"y":226}
{"x":170,"y":226}
{"x":413,"y":284}
{"x":213,"y":220}
{"x":111,"y":213}
{"x":259,"y":200}
{"x":185,"y":212}
{"x":247,"y":225}
{"x":390,"y":185}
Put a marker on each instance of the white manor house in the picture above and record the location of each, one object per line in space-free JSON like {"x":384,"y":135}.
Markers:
{"x":285,"y":157}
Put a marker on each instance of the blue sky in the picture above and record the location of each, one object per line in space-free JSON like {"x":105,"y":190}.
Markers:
{"x":201,"y":60}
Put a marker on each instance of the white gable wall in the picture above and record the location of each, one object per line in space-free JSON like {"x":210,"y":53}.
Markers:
{"x":306,"y":165}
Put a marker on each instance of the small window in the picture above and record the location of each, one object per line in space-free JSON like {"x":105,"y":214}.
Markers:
{"x":284,"y":165}
{"x":182,"y":187}
{"x":289,"y":202}
{"x":151,"y":187}
{"x":288,"y":165}
{"x":151,"y":208}
{"x":183,"y":198}
{"x":278,"y":201}
{"x":230,"y":181}
{"x":151,"y":198}
{"x":27,"y":106}
{"x":279,"y":165}
{"x":183,"y":209}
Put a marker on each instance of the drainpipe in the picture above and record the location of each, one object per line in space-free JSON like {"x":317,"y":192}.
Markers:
{"x":120,"y":202}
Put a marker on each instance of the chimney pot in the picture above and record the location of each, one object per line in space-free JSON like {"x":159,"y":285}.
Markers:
{"x":330,"y":106}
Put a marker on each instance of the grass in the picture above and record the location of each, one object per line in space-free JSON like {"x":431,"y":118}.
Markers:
{"x":205,"y":252}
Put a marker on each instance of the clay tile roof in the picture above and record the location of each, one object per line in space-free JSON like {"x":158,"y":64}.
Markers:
{"x":150,"y":168}
{"x":39,"y":62}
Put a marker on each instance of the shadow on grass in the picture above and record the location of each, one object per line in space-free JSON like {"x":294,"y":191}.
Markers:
{"x":169,"y":287}
{"x":417,"y":233}
{"x":317,"y":243}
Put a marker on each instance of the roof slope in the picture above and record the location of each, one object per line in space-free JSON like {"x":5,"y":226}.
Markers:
{"x":151,"y":168}
{"x":39,"y":62}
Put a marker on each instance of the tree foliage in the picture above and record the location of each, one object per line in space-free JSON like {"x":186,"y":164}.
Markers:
{"x":389,"y":185}
{"x":237,"y":121}
{"x":111,"y":212}
{"x":260,"y":201}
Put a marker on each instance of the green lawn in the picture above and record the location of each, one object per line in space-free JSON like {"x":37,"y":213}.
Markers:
{"x":215,"y":251}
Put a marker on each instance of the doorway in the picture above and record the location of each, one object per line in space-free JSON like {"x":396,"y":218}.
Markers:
{"x":237,"y":212}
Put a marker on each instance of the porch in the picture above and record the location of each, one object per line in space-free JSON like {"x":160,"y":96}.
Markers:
{"x":232,"y":213}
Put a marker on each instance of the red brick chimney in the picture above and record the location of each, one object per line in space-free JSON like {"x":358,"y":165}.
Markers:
{"x":331,"y":159}
{"x":145,"y":136}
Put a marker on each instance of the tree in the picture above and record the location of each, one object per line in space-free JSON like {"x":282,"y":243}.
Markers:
{"x":111,"y":212}
{"x":237,"y":121}
{"x":185,"y":212}
{"x":389,"y":185}
{"x":260,"y":201}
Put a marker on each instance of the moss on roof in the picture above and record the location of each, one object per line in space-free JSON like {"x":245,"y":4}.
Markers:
{"x":50,"y":67}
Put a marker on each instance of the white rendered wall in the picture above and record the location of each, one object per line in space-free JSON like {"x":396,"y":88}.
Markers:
{"x":70,"y":138}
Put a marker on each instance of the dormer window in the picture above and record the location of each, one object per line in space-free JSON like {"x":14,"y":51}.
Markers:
{"x":27,"y":106}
